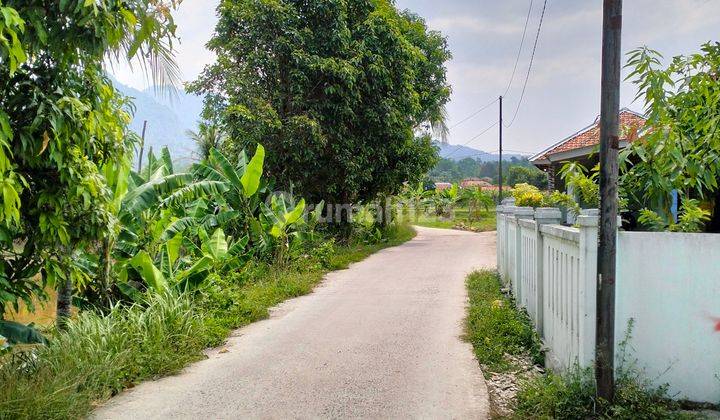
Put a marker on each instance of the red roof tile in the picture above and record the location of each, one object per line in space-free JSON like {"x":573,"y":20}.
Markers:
{"x":630,"y":123}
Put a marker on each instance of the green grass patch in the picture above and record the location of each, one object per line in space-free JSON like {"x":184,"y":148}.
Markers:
{"x":99,"y":356}
{"x":486,"y":222}
{"x":494,"y":326}
{"x":572,"y":396}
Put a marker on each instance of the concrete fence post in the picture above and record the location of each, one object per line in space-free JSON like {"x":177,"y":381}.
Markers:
{"x":500,"y":242}
{"x":508,"y":213}
{"x":588,"y":226}
{"x":543,"y":216}
{"x":520,"y":213}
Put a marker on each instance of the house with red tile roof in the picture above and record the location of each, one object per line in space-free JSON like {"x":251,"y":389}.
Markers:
{"x":439,"y":186}
{"x":583,"y":146}
{"x":473,"y":182}
{"x":478,"y":183}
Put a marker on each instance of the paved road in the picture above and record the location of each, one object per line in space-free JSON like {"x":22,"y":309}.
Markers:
{"x":379,"y":340}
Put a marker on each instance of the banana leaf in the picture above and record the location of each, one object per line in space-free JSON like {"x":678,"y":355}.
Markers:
{"x":253,"y":172}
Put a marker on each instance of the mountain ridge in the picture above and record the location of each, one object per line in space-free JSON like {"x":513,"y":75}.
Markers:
{"x":459,"y":152}
{"x":169,"y":116}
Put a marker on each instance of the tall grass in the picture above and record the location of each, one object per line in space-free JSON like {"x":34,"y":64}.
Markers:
{"x":100,"y":355}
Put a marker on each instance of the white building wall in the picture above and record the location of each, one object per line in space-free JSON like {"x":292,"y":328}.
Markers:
{"x":669,"y":284}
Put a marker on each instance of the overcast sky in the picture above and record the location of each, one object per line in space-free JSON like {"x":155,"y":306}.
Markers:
{"x":562,"y":94}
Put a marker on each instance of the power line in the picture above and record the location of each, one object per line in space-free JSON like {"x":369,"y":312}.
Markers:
{"x":522,"y":41}
{"x":532,"y":58}
{"x":512,"y":76}
{"x":471,"y":139}
{"x":473,"y":114}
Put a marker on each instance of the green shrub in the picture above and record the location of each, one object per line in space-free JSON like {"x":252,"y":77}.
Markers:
{"x":583,"y":182}
{"x":692,"y":218}
{"x":527,"y":195}
{"x":562,"y":201}
{"x":494,"y":326}
{"x":555,"y":396}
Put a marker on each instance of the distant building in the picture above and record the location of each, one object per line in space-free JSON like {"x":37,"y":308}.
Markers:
{"x":582,"y":146}
{"x":474,"y":182}
{"x":483,"y":184}
{"x":439,"y":186}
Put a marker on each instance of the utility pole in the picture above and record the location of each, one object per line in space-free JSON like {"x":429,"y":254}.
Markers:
{"x":500,"y":180}
{"x":609,"y":145}
{"x":142,"y":146}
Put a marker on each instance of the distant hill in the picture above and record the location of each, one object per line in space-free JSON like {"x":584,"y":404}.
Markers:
{"x":168,"y":119}
{"x":458,"y":152}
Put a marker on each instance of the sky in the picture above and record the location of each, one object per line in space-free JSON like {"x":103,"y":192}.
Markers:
{"x":562,"y":93}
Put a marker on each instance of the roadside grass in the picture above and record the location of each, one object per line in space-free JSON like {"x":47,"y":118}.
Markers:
{"x":99,"y":356}
{"x":460,"y":220}
{"x":493,"y":325}
{"x":496,"y":329}
{"x":572,"y":396}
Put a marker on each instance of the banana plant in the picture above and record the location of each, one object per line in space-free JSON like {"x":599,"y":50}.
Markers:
{"x":444,"y":201}
{"x":172,"y":270}
{"x":414,"y":197}
{"x":278,"y":220}
{"x":155,"y":208}
{"x":243,"y":185}
{"x":476,"y":199}
{"x":307,"y":227}
{"x":160,"y":204}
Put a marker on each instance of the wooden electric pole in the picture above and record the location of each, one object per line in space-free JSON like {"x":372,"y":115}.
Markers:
{"x":142,"y":146}
{"x":609,"y":144}
{"x":500,"y":180}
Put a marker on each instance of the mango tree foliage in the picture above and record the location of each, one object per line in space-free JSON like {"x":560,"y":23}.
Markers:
{"x":61,"y":123}
{"x":680,"y":150}
{"x":333,"y":88}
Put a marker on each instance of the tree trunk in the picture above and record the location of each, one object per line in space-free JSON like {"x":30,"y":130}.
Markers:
{"x":64,"y":303}
{"x":105,"y":259}
{"x":385,"y":208}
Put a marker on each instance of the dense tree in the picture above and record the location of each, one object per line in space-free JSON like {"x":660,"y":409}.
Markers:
{"x":527,"y":175}
{"x":514,"y":171}
{"x":62,"y":125}
{"x":334,"y":89}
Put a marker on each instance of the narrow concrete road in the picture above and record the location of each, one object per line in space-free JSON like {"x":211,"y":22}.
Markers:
{"x":379,"y":340}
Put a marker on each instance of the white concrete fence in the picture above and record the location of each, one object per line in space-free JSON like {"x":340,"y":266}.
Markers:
{"x":668,"y":283}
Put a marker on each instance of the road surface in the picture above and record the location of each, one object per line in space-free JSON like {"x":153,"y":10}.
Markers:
{"x":381,"y":339}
